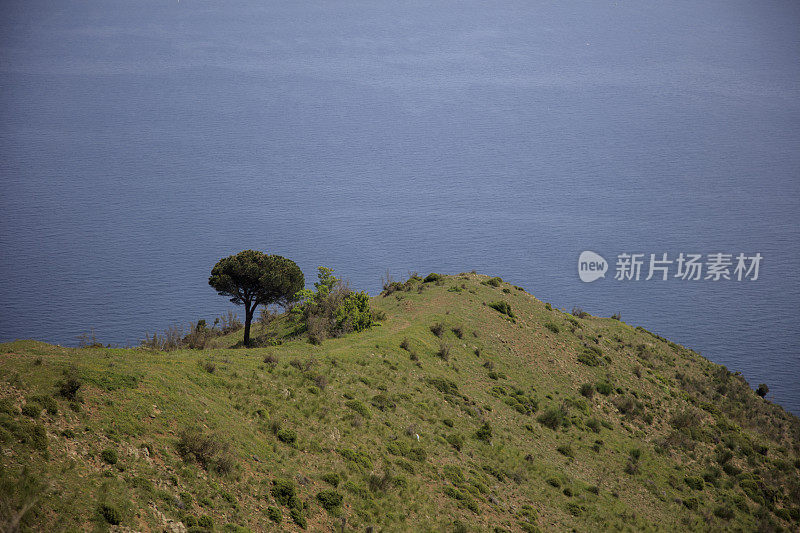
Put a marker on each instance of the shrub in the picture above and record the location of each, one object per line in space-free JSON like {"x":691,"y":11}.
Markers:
{"x":588,"y":358}
{"x":554,"y":482}
{"x":329,"y":499}
{"x":762,"y":390}
{"x":359,"y":408}
{"x":587,"y":390}
{"x":578,"y":312}
{"x":205,"y":521}
{"x":566,"y":450}
{"x":274,"y":514}
{"x":68,"y":388}
{"x":593,"y":424}
{"x":553,"y":417}
{"x":405,"y":345}
{"x":110,"y":514}
{"x":298,"y":518}
{"x":484,"y":433}
{"x":331,"y":478}
{"x":47,"y":402}
{"x":456,"y":441}
{"x":32,"y":410}
{"x":438,"y":329}
{"x":382,"y":402}
{"x":109,"y":456}
{"x":616,"y":316}
{"x":494,"y":282}
{"x":207,"y":449}
{"x":695,"y":482}
{"x":287,"y":436}
{"x":458,"y":331}
{"x":548,"y":306}
{"x":443,"y":385}
{"x":433,"y":276}
{"x":724,"y":512}
{"x":284,"y":492}
{"x":552,"y":327}
{"x":444,"y":351}
{"x":604,"y":387}
{"x":502,"y":307}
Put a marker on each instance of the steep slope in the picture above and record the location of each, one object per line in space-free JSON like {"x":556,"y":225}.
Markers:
{"x":473,"y":406}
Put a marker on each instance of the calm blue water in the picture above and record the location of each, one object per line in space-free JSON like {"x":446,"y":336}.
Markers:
{"x":142,"y":141}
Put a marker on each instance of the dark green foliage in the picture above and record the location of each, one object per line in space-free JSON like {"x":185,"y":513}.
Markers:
{"x":68,"y":388}
{"x":484,"y":433}
{"x":359,"y":408}
{"x":604,"y":387}
{"x":274,"y":514}
{"x":552,"y":327}
{"x":358,"y":458}
{"x":286,"y":435}
{"x":46,"y":402}
{"x":587,"y":390}
{"x":298,"y":518}
{"x":206,"y":522}
{"x":458,"y":331}
{"x":444,"y":351}
{"x":502,"y":307}
{"x":445,"y":386}
{"x":593,"y":424}
{"x":331,"y":478}
{"x":566,"y":450}
{"x":353,"y":314}
{"x":405,"y":345}
{"x":329,"y":499}
{"x":253,"y":278}
{"x":588,"y":358}
{"x":109,"y":455}
{"x":438,"y":329}
{"x":407,"y":450}
{"x":32,"y":410}
{"x":762,"y":390}
{"x":554,"y":482}
{"x":433,"y":276}
{"x":382,"y":402}
{"x":695,"y":482}
{"x":284,"y":492}
{"x":456,"y":441}
{"x":494,"y":282}
{"x":724,"y":512}
{"x":333,"y":309}
{"x":553,"y":417}
{"x":110,"y":514}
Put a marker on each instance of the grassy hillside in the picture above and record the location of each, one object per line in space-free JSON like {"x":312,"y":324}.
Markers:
{"x":472,"y":406}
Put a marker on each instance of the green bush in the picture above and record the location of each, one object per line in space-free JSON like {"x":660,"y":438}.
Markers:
{"x":494,"y":282}
{"x":331,"y":478}
{"x":695,"y":482}
{"x":552,"y":417}
{"x":287,"y":436}
{"x":433,"y":276}
{"x":358,"y":407}
{"x":502,"y":307}
{"x":484,"y":433}
{"x":207,"y":449}
{"x":353,"y":314}
{"x":205,"y":521}
{"x":329,"y":499}
{"x":110,"y":514}
{"x":587,"y":390}
{"x":552,"y":327}
{"x":456,"y":441}
{"x":274,"y":514}
{"x":593,"y":424}
{"x":298,"y":518}
{"x":109,"y":455}
{"x":588,"y":358}
{"x":566,"y":450}
{"x":284,"y":492}
{"x":68,"y":388}
{"x":438,"y":329}
{"x":47,"y":402}
{"x":32,"y":410}
{"x":724,"y":512}
{"x":604,"y":387}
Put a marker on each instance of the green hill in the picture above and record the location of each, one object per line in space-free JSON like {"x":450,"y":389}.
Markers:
{"x":471,"y":406}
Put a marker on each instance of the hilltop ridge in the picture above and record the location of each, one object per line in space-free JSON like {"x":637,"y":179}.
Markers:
{"x":470,"y":406}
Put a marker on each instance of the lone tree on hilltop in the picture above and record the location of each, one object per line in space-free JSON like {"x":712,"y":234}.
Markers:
{"x":253,"y":278}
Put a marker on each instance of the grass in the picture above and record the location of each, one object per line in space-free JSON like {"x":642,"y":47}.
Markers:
{"x":303,"y":435}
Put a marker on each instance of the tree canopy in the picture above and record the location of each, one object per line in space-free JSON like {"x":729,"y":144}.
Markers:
{"x":252,"y":278}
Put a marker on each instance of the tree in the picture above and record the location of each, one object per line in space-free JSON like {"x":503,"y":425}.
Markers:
{"x":253,"y":278}
{"x":762,"y":390}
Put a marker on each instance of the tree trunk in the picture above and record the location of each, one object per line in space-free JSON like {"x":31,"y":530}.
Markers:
{"x":248,"y":317}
